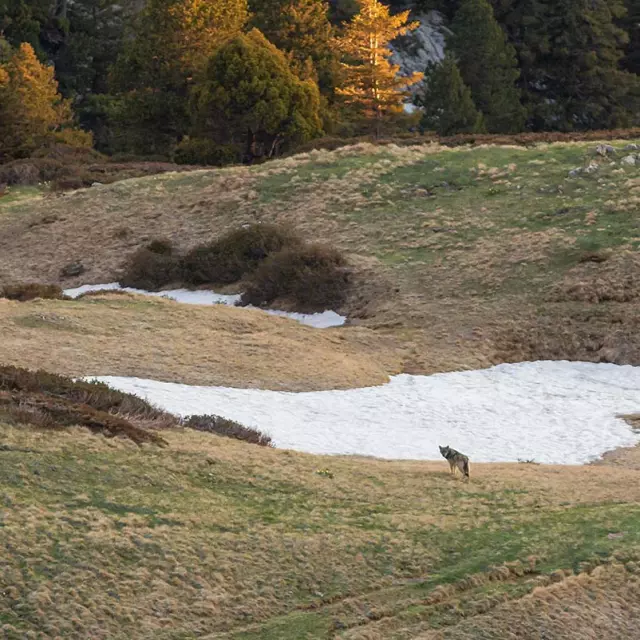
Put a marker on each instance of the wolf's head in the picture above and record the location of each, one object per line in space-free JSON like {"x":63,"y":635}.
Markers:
{"x":444,"y":451}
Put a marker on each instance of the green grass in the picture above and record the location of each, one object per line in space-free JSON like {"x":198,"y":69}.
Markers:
{"x":280,"y":549}
{"x":412,"y":213}
{"x":213,"y":538}
{"x":19,"y":195}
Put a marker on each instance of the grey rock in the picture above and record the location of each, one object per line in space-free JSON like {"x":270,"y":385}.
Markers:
{"x":630,"y":160}
{"x":605,"y":150}
{"x":72,"y":270}
{"x":592,"y":168}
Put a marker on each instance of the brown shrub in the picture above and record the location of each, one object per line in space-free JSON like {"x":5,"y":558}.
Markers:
{"x":228,"y":429}
{"x":96,"y":395}
{"x":68,"y":183}
{"x":161,"y":246}
{"x":151,"y":267}
{"x":73,"y":167}
{"x":31,"y":291}
{"x":45,"y":411}
{"x":311,"y":277}
{"x":30,"y":171}
{"x":235,"y":254}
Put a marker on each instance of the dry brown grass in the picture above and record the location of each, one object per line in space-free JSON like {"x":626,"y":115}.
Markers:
{"x":31,"y":291}
{"x":447,"y":282}
{"x":164,"y":340}
{"x":601,"y":604}
{"x":212,"y":537}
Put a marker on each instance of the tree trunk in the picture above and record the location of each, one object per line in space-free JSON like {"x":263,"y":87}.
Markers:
{"x":275,"y":146}
{"x":249,"y":154}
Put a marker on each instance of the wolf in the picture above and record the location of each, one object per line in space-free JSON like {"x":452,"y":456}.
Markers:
{"x":457,"y":461}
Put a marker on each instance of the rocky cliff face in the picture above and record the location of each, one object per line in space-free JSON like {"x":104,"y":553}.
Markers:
{"x":417,"y":49}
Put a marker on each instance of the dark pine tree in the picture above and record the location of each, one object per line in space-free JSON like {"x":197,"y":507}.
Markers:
{"x":447,"y":102}
{"x":488,"y":66}
{"x":570,"y":54}
{"x":631,"y":24}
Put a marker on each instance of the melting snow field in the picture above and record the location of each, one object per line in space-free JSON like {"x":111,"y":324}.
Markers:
{"x":322,"y":320}
{"x":551,"y":412}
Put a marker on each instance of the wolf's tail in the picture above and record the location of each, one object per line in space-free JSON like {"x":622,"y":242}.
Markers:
{"x":466,"y":469}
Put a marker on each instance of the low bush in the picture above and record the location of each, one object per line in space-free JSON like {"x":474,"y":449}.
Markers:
{"x":205,"y":152}
{"x":68,"y":183}
{"x":228,"y":429}
{"x":161,"y":246}
{"x":311,"y":277}
{"x":97,"y":395}
{"x":235,"y":254}
{"x":70,"y":167}
{"x":152,"y":267}
{"x":31,"y":291}
{"x":70,"y":154}
{"x":331,"y":143}
{"x":273,"y":262}
{"x":31,"y":171}
{"x":51,"y":413}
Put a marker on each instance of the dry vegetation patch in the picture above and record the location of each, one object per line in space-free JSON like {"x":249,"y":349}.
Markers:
{"x":50,"y":401}
{"x":215,"y":345}
{"x":234,"y":541}
{"x":31,"y":291}
{"x":601,"y":604}
{"x":475,"y":243}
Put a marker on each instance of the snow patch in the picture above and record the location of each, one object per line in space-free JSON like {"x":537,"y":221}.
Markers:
{"x":551,"y":412}
{"x":322,"y":320}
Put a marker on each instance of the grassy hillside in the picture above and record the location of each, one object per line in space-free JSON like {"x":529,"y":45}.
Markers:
{"x":213,"y":538}
{"x":464,"y":257}
{"x":160,"y":339}
{"x":463,"y":253}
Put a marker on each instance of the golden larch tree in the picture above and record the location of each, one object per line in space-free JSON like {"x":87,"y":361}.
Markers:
{"x":371,"y":82}
{"x":32,"y":112}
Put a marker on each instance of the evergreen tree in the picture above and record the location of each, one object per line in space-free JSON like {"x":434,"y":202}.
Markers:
{"x":301,"y":29}
{"x":631,"y":23}
{"x":167,"y":53}
{"x":92,"y":44}
{"x":488,"y":66}
{"x":80,"y":37}
{"x":32,"y":112}
{"x":32,"y":21}
{"x":371,"y":81}
{"x":171,"y":40}
{"x":447,"y":103}
{"x":570,"y":54}
{"x":252,"y":99}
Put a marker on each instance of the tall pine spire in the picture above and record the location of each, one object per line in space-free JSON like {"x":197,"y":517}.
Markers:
{"x":488,"y":66}
{"x":446,"y":101}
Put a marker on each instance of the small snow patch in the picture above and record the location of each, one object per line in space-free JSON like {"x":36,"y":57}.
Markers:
{"x":322,"y":320}
{"x":550,"y":412}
